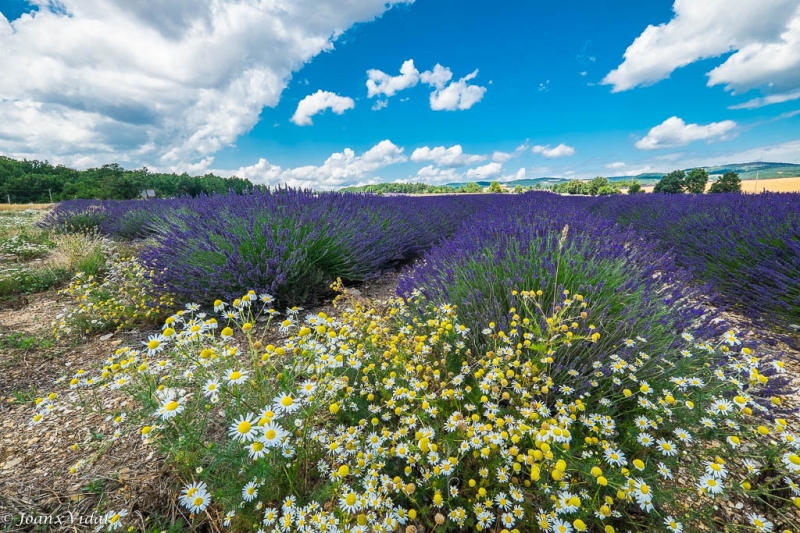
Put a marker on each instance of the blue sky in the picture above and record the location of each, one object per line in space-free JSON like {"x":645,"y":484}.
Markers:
{"x":279,"y":91}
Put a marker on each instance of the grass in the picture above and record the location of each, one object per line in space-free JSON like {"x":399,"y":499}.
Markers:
{"x":11,"y":208}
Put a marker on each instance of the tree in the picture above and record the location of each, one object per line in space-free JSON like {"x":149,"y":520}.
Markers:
{"x":518,"y":189}
{"x":495,"y":187}
{"x":635,"y":188}
{"x":605,"y":190}
{"x":729,"y":182}
{"x":472,"y":187}
{"x":696,"y":181}
{"x":671,"y":183}
{"x":596,"y":184}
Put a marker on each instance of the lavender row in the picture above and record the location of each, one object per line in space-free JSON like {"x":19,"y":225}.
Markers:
{"x":541,"y":242}
{"x":746,"y":246}
{"x":293,"y":243}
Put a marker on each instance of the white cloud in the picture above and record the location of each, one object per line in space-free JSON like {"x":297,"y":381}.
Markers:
{"x":562,"y":150}
{"x":380,"y":83}
{"x":489,"y":170}
{"x":319,"y":102}
{"x":457,"y":94}
{"x":616,"y":164}
{"x":339,"y":170}
{"x":445,"y":157}
{"x":380,"y":104}
{"x":764,"y":36}
{"x":437,"y":77}
{"x":162,"y":83}
{"x":434,"y":175}
{"x":502,"y":157}
{"x":768,"y":100}
{"x":675,"y":132}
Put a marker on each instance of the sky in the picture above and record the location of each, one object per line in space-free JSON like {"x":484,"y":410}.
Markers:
{"x":327,"y":94}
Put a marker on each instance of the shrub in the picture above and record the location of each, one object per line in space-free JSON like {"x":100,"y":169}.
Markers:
{"x":293,"y":243}
{"x":635,"y":188}
{"x":356,"y":423}
{"x":746,"y":246}
{"x":26,"y":245}
{"x":636,"y":287}
{"x":125,"y":298}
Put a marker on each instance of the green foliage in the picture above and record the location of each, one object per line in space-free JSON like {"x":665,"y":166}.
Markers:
{"x":495,"y":187}
{"x":34,"y":181}
{"x":729,"y":182}
{"x":472,"y":187}
{"x":401,"y":188}
{"x":672,"y":183}
{"x":635,"y":188}
{"x":696,"y":180}
{"x":518,"y":189}
{"x":597,"y":186}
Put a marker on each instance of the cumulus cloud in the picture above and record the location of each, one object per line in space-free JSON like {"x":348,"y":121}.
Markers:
{"x":445,"y":157}
{"x":434,"y":175}
{"x":502,"y":157}
{"x":162,"y":83}
{"x":764,"y":36}
{"x":616,"y":164}
{"x":675,"y":132}
{"x":768,"y":100}
{"x":319,"y":102}
{"x":379,"y":83}
{"x":489,"y":170}
{"x":447,"y":95}
{"x":562,"y":150}
{"x":455,"y":95}
{"x":339,"y":170}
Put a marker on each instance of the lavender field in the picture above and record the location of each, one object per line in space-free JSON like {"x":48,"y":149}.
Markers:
{"x":539,"y":362}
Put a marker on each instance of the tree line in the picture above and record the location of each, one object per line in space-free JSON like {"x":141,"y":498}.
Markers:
{"x":695,"y":181}
{"x":32,"y":181}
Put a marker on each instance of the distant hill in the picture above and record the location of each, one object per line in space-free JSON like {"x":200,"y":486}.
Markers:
{"x":746,"y":171}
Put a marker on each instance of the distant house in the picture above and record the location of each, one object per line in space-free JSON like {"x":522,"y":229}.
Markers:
{"x":147,"y":194}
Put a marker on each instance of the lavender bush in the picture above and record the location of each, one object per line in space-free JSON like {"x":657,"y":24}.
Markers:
{"x":746,"y":246}
{"x":637,"y":289}
{"x":292,"y":243}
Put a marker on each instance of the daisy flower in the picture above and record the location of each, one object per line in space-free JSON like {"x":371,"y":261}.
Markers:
{"x":792,"y":462}
{"x":349,"y":502}
{"x":683,"y":435}
{"x":667,"y":447}
{"x":614,"y":457}
{"x":710,"y":484}
{"x":112,"y":520}
{"x":645,"y":440}
{"x":170,"y":407}
{"x":673,"y":525}
{"x":273,"y":435}
{"x":155,"y":343}
{"x":664,"y":471}
{"x":256,"y":449}
{"x":250,"y":491}
{"x":286,"y":404}
{"x":211,"y":387}
{"x":236,"y":377}
{"x":244,"y":429}
{"x":716,"y":469}
{"x":760,"y":523}
{"x":307,"y":388}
